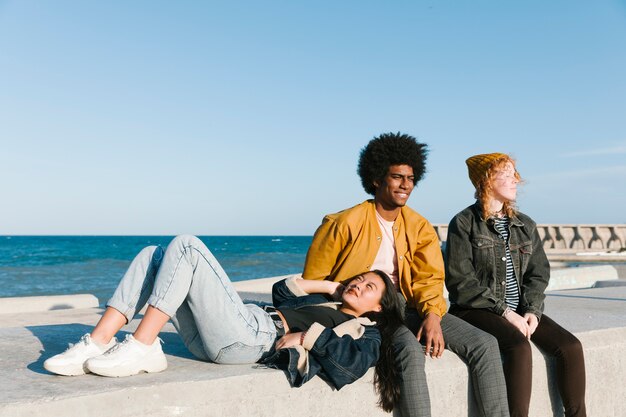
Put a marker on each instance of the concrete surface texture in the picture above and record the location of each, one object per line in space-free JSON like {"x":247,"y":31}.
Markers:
{"x":584,"y":277}
{"x":47,"y":303}
{"x":190,"y":387}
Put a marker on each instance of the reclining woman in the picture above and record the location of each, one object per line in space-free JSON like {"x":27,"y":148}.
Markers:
{"x":497,"y":272}
{"x":305,"y":333}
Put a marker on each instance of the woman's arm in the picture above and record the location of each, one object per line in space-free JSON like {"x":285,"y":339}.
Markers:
{"x":332,"y":288}
{"x":461,"y":280}
{"x":339,"y":359}
{"x":536,"y":277}
{"x":293,"y":292}
{"x":343,"y":358}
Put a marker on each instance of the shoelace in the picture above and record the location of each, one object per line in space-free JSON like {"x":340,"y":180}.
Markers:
{"x":84,"y":340}
{"x":118,"y":345}
{"x":126,"y":340}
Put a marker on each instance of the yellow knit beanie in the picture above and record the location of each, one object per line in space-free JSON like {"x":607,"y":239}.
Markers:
{"x":478,"y":165}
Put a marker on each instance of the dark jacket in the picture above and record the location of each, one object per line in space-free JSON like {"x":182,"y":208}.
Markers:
{"x":340,"y":355}
{"x":475,"y":263}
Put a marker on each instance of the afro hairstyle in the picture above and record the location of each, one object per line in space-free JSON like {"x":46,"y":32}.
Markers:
{"x":390,"y":149}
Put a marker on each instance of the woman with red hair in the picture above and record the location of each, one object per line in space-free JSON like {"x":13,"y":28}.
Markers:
{"x":497,"y":272}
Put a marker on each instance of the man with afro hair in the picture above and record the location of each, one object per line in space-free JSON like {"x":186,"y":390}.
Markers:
{"x":384,"y":233}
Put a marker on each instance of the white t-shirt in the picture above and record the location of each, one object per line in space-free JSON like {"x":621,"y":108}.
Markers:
{"x":386,"y":259}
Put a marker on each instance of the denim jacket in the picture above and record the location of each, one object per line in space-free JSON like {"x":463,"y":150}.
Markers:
{"x":475,"y":260}
{"x":340,"y":355}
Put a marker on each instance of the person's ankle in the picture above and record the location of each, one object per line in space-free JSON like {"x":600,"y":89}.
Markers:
{"x":144,"y":340}
{"x":100,"y":340}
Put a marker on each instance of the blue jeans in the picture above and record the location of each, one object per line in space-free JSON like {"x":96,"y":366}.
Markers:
{"x":188,"y":284}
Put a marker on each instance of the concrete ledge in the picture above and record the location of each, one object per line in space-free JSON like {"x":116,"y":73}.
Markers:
{"x":194,"y":388}
{"x":582,"y":277}
{"x":603,"y":284}
{"x":46,"y":303}
{"x":250,"y":391}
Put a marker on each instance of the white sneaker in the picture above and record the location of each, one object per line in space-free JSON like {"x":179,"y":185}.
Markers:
{"x":72,"y":361}
{"x":129,"y":357}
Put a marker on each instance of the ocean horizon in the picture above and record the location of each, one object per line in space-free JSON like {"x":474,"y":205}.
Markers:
{"x":59,"y":265}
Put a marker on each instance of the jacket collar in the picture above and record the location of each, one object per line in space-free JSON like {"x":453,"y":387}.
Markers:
{"x":400,"y":217}
{"x":514,"y":221}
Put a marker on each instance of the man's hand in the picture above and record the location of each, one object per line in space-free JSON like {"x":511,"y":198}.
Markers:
{"x":433,"y":336}
{"x":532,"y":322}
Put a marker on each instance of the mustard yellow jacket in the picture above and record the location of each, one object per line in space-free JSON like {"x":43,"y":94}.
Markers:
{"x":346,"y":244}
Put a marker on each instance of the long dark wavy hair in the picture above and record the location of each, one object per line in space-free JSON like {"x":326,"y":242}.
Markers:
{"x":388,"y":320}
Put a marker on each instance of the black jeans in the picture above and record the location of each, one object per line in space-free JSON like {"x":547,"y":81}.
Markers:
{"x":553,"y":340}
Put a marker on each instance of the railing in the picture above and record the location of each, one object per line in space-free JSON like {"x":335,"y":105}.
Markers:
{"x":572,"y":238}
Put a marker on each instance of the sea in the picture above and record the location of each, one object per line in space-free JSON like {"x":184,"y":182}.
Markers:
{"x":61,"y":265}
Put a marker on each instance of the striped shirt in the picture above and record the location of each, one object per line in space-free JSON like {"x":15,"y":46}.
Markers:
{"x":511,"y":294}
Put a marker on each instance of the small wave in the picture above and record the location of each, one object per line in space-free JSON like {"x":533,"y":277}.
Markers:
{"x":277,"y":240}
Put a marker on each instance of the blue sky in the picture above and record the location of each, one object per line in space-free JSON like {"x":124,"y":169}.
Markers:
{"x":155,"y":117}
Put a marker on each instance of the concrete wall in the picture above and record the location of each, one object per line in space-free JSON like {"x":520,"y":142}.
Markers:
{"x":194,"y":388}
{"x":265,"y":392}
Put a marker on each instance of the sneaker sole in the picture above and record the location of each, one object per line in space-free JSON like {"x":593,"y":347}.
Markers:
{"x":120,"y":372}
{"x":66,"y":370}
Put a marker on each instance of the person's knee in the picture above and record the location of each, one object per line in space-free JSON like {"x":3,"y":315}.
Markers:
{"x":485,"y":348}
{"x":489,"y":344}
{"x":185,"y":240}
{"x":408,"y":351}
{"x":187,"y":244}
{"x":152,"y":254}
{"x":571,"y":348}
{"x":520,"y":348}
{"x":149,"y":250}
